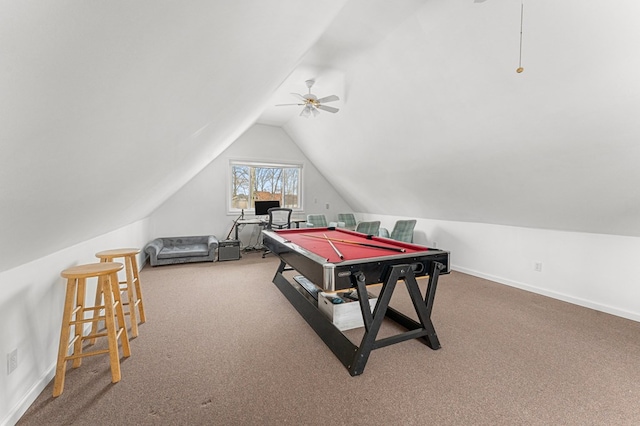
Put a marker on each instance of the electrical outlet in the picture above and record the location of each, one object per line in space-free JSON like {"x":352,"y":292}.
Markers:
{"x":537,"y":266}
{"x":327,"y":206}
{"x":12,"y":361}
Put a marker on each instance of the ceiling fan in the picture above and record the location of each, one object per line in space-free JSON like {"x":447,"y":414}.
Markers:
{"x":311,"y":104}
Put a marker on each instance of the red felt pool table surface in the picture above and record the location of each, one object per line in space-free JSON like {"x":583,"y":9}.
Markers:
{"x":313,"y":240}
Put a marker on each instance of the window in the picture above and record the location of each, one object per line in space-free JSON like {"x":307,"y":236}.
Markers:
{"x":252,"y":181}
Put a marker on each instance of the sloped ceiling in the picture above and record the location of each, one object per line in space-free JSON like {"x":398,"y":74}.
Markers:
{"x":435,"y":122}
{"x":107,"y":108}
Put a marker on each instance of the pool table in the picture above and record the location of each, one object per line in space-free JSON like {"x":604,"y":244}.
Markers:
{"x":336,"y":259}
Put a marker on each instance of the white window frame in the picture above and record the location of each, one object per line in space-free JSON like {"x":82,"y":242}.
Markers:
{"x":256,"y":163}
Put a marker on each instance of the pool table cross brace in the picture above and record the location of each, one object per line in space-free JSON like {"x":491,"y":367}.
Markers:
{"x":373,"y":321}
{"x":353,"y":357}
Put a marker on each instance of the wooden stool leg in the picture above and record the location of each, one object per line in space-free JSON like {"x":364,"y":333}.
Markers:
{"x":106,"y":284}
{"x":130,"y":296}
{"x":78,"y":325}
{"x":136,"y":280}
{"x":61,"y":365}
{"x":120,"y":316}
{"x":96,"y":313}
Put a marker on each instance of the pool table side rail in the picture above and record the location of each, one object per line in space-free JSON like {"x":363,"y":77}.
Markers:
{"x":335,"y":276}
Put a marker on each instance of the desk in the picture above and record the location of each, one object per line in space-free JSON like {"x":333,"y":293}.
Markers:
{"x":260,"y":222}
{"x":366,"y":260}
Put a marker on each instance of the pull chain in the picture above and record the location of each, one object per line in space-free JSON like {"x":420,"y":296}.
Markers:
{"x":520,"y":69}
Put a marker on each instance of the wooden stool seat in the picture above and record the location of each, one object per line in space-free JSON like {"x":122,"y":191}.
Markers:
{"x":74,"y":316}
{"x":131,"y":285}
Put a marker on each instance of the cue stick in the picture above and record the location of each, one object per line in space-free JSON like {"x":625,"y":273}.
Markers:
{"x":334,"y":247}
{"x":401,"y":250}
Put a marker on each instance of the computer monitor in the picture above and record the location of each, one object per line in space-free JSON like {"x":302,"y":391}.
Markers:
{"x":262,"y":207}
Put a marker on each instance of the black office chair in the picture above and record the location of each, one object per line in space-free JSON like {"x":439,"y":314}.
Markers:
{"x":279,"y":218}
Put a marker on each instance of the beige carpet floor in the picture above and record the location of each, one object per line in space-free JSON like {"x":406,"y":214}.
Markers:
{"x":222,"y":346}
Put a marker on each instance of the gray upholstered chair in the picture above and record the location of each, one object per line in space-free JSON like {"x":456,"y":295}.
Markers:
{"x":403,"y":230}
{"x":369,"y":228}
{"x":316,"y":221}
{"x":348,"y":219}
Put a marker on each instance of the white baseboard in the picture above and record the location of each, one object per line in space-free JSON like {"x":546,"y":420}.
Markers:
{"x":549,"y":293}
{"x":32,"y":394}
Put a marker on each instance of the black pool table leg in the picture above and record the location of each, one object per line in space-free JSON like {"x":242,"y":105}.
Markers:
{"x":422,"y":329}
{"x":372,"y":322}
{"x":353,"y":357}
{"x":423,"y":308}
{"x":339,"y":344}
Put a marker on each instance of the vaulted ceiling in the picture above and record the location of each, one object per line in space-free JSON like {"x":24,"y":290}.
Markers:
{"x":107,"y":108}
{"x":436,"y":122}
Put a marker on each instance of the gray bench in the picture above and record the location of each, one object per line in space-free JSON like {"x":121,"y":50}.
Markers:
{"x":174,"y":250}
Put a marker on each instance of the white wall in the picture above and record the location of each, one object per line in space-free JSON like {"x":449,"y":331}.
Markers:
{"x":200,"y":207}
{"x":31,"y":302}
{"x":119,"y":104}
{"x":593,"y":270}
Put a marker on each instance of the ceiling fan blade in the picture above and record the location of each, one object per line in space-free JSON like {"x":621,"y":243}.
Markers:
{"x":330,"y":98}
{"x":298,"y":95}
{"x":289,"y":104}
{"x":328,"y":108}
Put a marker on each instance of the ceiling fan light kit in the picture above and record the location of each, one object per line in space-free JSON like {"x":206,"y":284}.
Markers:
{"x":311,"y":104}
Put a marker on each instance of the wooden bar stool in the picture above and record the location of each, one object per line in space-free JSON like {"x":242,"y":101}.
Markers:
{"x":131,"y":285}
{"x":74,"y":316}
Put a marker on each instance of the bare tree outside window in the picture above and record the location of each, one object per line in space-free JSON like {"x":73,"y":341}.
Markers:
{"x":240,"y":187}
{"x":254,"y":181}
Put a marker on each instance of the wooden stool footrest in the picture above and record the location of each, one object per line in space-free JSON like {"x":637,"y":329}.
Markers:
{"x":93,"y":308}
{"x":86,"y":320}
{"x":94,"y":336}
{"x":75,"y":339}
{"x":119,"y":333}
{"x":84,"y":354}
